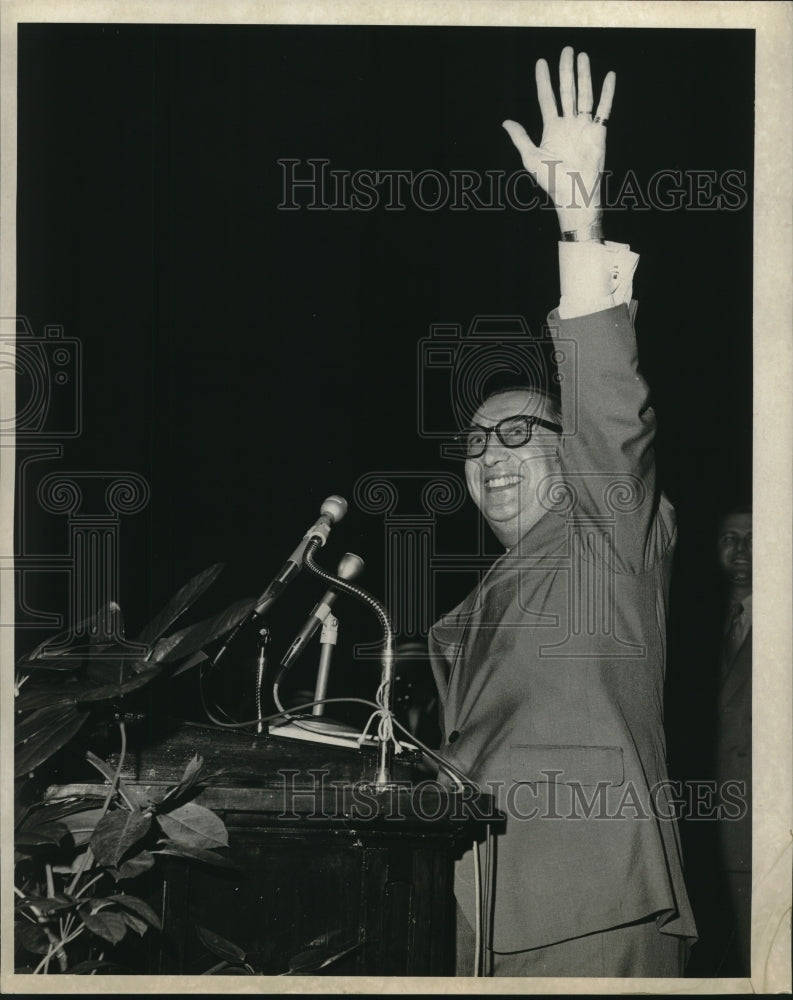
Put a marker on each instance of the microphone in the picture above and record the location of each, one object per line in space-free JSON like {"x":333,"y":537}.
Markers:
{"x":331,"y":512}
{"x":349,"y":567}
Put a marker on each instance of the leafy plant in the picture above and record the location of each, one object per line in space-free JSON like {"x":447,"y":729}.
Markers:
{"x":75,"y":855}
{"x":233,"y":960}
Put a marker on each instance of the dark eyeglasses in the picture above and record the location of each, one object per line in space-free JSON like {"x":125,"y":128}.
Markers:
{"x":512,"y":432}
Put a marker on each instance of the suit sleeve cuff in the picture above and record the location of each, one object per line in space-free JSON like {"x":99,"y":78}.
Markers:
{"x":594,"y":276}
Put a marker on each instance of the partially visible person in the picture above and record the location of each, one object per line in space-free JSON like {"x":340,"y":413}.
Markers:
{"x":734,"y":734}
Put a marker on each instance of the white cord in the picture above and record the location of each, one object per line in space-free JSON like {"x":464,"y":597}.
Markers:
{"x":391,"y":721}
{"x":487,"y":915}
{"x":478,"y":912}
{"x":369,"y":721}
{"x":278,"y":704}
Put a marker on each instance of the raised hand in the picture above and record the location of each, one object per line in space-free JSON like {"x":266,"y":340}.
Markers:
{"x":568,"y":163}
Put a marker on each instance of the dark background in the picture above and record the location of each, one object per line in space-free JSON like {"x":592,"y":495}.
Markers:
{"x":248,"y":361}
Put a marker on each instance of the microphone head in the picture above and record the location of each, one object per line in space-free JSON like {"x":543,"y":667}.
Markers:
{"x":350,"y":566}
{"x":334,"y":508}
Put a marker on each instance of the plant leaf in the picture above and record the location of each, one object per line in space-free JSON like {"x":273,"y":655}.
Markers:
{"x":73,"y":867}
{"x":31,"y":937}
{"x":42,"y":734}
{"x":41,"y":833}
{"x":137,"y":906}
{"x":37,"y":723}
{"x":47,"y":904}
{"x":85,"y":968}
{"x":318,"y":958}
{"x":139,"y":926}
{"x":82,"y":825}
{"x":56,"y":809}
{"x":188,"y":780}
{"x":105,"y":769}
{"x":100,"y":671}
{"x":116,"y":832}
{"x":164,"y":647}
{"x":195,"y":854}
{"x":36,"y":815}
{"x":50,"y":696}
{"x":108,"y":692}
{"x":109,"y":626}
{"x":191,"y":770}
{"x":100,"y":765}
{"x":108,"y":925}
{"x":179,"y":603}
{"x":195,"y":637}
{"x":104,"y":685}
{"x":32,"y":667}
{"x":219,"y":945}
{"x":190,"y":662}
{"x":134,"y":866}
{"x":88,"y":626}
{"x":192,"y":825}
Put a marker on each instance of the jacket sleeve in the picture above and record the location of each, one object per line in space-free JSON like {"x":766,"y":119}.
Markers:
{"x":607,"y":455}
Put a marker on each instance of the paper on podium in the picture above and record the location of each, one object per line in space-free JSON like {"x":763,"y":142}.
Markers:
{"x":322,"y":731}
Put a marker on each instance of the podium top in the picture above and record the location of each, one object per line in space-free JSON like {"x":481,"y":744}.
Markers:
{"x":281,"y":782}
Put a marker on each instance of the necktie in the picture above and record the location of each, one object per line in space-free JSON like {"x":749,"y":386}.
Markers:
{"x":733,"y":634}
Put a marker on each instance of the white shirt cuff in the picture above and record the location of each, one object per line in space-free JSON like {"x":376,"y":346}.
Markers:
{"x":594,"y":276}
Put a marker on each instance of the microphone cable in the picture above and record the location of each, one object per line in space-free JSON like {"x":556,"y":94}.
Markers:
{"x":385,"y":729}
{"x":460,"y":781}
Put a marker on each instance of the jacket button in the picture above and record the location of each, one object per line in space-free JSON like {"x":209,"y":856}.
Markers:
{"x":454,"y":736}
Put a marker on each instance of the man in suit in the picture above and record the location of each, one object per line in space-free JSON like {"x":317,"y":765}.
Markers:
{"x":550,"y":674}
{"x":734,"y":732}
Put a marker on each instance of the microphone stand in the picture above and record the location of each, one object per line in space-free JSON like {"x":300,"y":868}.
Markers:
{"x":317,"y":722}
{"x":331,"y":512}
{"x":261,"y":669}
{"x":327,"y":640}
{"x":385,"y":692}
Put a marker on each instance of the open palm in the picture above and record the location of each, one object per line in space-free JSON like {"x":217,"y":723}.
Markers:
{"x":569,"y":161}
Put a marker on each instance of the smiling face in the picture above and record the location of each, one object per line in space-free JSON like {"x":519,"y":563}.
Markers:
{"x":735,"y":552}
{"x":503,"y":482}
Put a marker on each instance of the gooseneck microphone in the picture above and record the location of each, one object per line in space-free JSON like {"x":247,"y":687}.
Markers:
{"x":331,"y":512}
{"x":350,"y":567}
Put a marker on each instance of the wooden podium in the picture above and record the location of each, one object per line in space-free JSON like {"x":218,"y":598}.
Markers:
{"x":325,"y":860}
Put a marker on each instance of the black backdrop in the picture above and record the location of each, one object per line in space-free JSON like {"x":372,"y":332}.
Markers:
{"x":247,"y":361}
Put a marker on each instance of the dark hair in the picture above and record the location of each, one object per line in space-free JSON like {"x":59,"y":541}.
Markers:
{"x":548,"y":404}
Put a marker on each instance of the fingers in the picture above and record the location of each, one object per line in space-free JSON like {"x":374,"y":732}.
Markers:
{"x":572,"y":103}
{"x":567,"y":82}
{"x":528,"y":151}
{"x":607,"y":96}
{"x":584,"y":103}
{"x":545,"y":95}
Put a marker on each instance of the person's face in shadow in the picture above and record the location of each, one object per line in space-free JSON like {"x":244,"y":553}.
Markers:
{"x":735,"y":551}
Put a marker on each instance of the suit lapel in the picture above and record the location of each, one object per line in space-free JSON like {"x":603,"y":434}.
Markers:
{"x":738,"y":671}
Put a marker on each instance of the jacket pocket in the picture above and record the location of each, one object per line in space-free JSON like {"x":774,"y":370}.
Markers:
{"x":568,"y":765}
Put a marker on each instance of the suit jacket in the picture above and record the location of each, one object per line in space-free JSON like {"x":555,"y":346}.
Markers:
{"x":550,"y":673}
{"x":734,"y":757}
